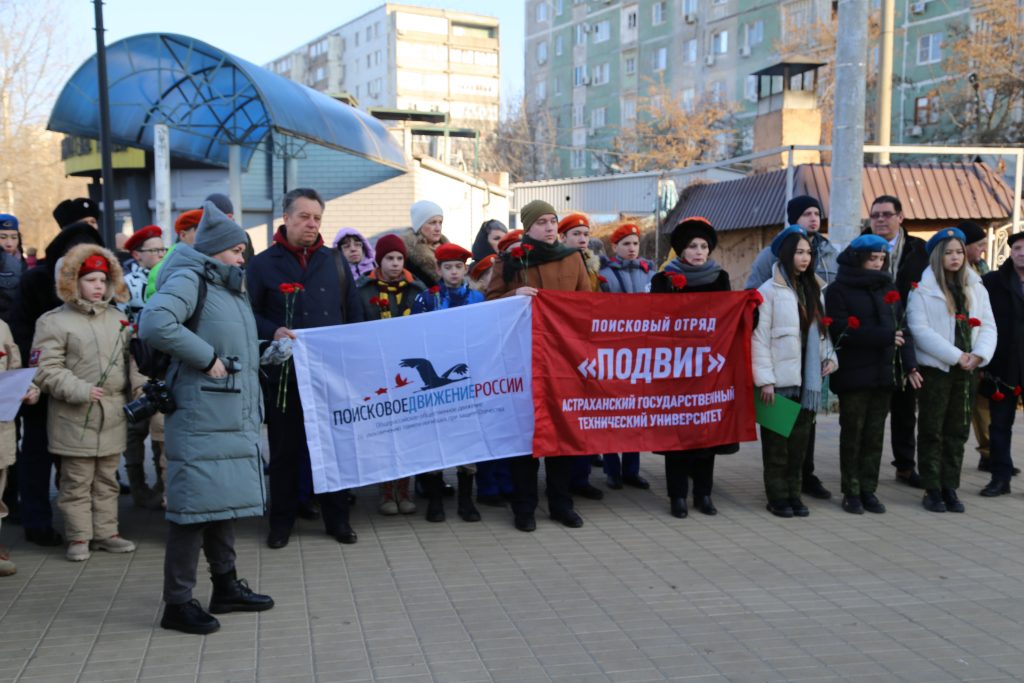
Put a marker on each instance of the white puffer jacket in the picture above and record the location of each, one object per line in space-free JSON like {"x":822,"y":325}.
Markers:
{"x":934,"y":327}
{"x":776,"y":350}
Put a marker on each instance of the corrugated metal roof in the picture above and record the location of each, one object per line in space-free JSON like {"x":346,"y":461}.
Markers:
{"x":939,"y":191}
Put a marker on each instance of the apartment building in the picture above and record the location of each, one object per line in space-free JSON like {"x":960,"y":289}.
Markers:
{"x":588,"y":62}
{"x":406,"y":57}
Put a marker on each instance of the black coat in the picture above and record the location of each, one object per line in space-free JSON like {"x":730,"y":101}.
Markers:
{"x":913,"y":261}
{"x":1007,"y":364}
{"x":867,"y":354}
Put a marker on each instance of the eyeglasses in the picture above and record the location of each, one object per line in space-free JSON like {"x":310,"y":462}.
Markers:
{"x":881,"y":214}
{"x":155,"y":250}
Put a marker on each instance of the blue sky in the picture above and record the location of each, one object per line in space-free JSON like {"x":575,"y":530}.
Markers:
{"x":259,"y":31}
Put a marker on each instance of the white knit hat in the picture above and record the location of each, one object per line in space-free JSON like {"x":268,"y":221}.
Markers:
{"x":422,"y":211}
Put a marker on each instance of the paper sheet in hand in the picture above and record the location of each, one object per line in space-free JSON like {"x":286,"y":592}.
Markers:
{"x":13,"y":385}
{"x":778,"y":417}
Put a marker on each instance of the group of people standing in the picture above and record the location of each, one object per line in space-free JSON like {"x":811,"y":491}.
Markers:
{"x":888,"y":324}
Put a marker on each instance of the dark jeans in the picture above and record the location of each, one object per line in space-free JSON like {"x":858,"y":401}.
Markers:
{"x":945,"y":410}
{"x":861,"y":438}
{"x":291,"y":478}
{"x":1003,"y":413}
{"x":681,"y":466}
{"x":35,"y":464}
{"x":181,"y":558}
{"x":493,"y":477}
{"x":783,"y":458}
{"x":579,"y":471}
{"x":629,"y":466}
{"x":902,"y":425}
{"x":524,"y":483}
{"x":808,"y":467}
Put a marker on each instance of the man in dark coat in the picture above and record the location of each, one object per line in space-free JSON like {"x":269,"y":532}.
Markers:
{"x":37,"y":294}
{"x":328,"y":297}
{"x":908,"y":259}
{"x":1004,"y":374}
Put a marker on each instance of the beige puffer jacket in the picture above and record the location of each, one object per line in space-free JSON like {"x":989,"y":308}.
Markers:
{"x":11,"y":360}
{"x":72,"y":347}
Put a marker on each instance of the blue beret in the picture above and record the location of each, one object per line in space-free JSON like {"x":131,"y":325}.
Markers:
{"x":943,"y":235}
{"x":783,"y":236}
{"x":871,"y":242}
{"x":8,"y":222}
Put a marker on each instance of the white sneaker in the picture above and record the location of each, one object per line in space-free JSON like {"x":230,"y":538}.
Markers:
{"x":114,"y":544}
{"x":78,"y":551}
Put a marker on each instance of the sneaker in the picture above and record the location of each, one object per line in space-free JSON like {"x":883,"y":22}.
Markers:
{"x":406,"y":506}
{"x":78,"y":551}
{"x":7,"y":568}
{"x":114,"y":544}
{"x":387,"y":506}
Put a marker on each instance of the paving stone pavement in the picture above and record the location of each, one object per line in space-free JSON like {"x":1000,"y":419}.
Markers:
{"x":635,"y":595}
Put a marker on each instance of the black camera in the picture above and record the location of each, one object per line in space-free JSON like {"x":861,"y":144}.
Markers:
{"x":156,"y":397}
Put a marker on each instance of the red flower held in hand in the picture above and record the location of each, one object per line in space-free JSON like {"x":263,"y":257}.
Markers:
{"x":527,"y":248}
{"x":436,"y":289}
{"x":913,"y":285}
{"x":891,"y":297}
{"x":375,"y":301}
{"x":853,"y":322}
{"x":125,"y":323}
{"x":960,"y":317}
{"x":517,"y":252}
{"x":974,"y":322}
{"x":2,"y":354}
{"x":998,"y":395}
{"x":602,"y":279}
{"x":1017,"y":390}
{"x":286,"y":288}
{"x":297,"y":287}
{"x":827,"y":321}
{"x":678,"y":281}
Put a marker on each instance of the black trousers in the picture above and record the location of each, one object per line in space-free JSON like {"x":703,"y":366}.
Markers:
{"x":682,"y":466}
{"x":35,"y":464}
{"x":903,"y":427}
{"x":808,"y":466}
{"x":524,"y":483}
{"x":181,"y":557}
{"x":291,"y":478}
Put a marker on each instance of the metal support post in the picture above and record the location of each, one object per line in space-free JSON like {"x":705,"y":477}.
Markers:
{"x":235,"y":180}
{"x":162,"y":179}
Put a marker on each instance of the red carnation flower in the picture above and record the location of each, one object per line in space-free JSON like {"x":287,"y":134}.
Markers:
{"x":517,"y":252}
{"x":135,"y":328}
{"x":297,"y":287}
{"x":998,"y":395}
{"x":974,"y":322}
{"x":678,"y":280}
{"x":436,"y":289}
{"x":602,"y":279}
{"x":125,"y":323}
{"x":913,"y":285}
{"x":4,"y":353}
{"x":853,"y":322}
{"x":375,"y":301}
{"x":891,"y":297}
{"x":286,"y":288}
{"x":1017,"y":390}
{"x":960,"y":317}
{"x":827,"y":321}
{"x":527,"y":248}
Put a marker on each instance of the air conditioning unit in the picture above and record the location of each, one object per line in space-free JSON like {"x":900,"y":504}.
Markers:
{"x":709,"y":60}
{"x":744,"y":50}
{"x":587,"y":28}
{"x":914,"y":132}
{"x":690,"y":18}
{"x":919,"y":7}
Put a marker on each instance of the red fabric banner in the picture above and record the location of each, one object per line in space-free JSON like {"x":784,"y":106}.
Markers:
{"x":660,"y":372}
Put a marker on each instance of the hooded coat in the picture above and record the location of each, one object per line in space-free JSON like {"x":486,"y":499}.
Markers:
{"x":214,"y":468}
{"x":481,"y":245}
{"x":627,"y":277}
{"x":364,"y":267}
{"x":420,"y":259}
{"x":73,"y":347}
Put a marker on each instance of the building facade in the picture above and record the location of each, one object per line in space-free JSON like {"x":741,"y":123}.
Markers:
{"x":404,"y":57}
{"x":591,"y":62}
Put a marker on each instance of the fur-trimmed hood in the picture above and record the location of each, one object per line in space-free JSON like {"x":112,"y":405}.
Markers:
{"x":420,"y":257}
{"x":592,"y":261}
{"x":67,"y":275}
{"x":366,"y":265}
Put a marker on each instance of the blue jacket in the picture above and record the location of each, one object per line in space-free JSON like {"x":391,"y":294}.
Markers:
{"x":446,"y":298}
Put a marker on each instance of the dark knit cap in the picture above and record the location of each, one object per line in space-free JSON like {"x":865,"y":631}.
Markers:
{"x":387,"y":244}
{"x":217,"y":232}
{"x":222,"y":202}
{"x":972,"y":231}
{"x":797,"y":206}
{"x":529,"y":214}
{"x":688,"y":228}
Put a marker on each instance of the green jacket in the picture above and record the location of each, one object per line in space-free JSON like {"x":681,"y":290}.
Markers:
{"x":154,"y":274}
{"x":214,"y":468}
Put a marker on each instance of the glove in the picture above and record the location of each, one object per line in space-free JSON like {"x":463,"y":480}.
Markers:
{"x":277,"y":353}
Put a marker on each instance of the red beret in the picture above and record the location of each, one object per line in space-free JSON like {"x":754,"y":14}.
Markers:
{"x":140,"y":236}
{"x":482,"y":266}
{"x":189,"y":219}
{"x":387,"y":244}
{"x":509,"y":239}
{"x":451,"y":252}
{"x":573,"y":220}
{"x":94,"y":264}
{"x":624,"y":231}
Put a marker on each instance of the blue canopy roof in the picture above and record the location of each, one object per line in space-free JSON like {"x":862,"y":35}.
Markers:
{"x":210,"y":99}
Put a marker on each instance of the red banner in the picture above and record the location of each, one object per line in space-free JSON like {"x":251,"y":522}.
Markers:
{"x":623,"y":372}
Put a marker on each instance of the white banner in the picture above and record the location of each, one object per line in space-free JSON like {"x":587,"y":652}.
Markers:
{"x":391,"y":398}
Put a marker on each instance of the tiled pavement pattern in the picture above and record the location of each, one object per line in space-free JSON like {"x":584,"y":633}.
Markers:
{"x":635,"y":595}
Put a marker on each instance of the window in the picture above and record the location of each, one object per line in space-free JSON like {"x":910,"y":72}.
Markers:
{"x":720,"y":42}
{"x":577,"y":115}
{"x":578,"y":159}
{"x":753,"y":33}
{"x":629,"y":65}
{"x":376,"y":30}
{"x":579,"y":76}
{"x":542,"y":52}
{"x":659,"y":59}
{"x":357,"y":38}
{"x":558,"y":85}
{"x":602,"y":31}
{"x":558,"y":45}
{"x":319,"y":74}
{"x":628,"y":110}
{"x":691,"y":51}
{"x":581,"y":34}
{"x":658,"y":14}
{"x":542,"y":90}
{"x":369,"y":33}
{"x":929,"y":48}
{"x":559,"y":7}
{"x":689,"y":7}
{"x":687,"y":99}
{"x":631,"y":19}
{"x":369,"y":61}
{"x":750,"y":88}
{"x":602,"y":74}
{"x":717,"y":91}
{"x":542,"y":11}
{"x":797,"y":15}
{"x":318,"y":48}
{"x":926,"y":110}
{"x":597,"y":117}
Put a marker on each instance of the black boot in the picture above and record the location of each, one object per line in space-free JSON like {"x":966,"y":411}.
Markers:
{"x":232,"y":594}
{"x":467,"y":511}
{"x":433,"y":489}
{"x":996,"y":487}
{"x":953,"y":503}
{"x":932,"y":501}
{"x":677,"y":506}
{"x":189,"y":617}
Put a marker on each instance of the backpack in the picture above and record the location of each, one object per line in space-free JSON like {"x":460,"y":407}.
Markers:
{"x":151,"y":361}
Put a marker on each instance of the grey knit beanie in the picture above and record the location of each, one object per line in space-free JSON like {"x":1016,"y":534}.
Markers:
{"x":216,"y":232}
{"x":422,"y":211}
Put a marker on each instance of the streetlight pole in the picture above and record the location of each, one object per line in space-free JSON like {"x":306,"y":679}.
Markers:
{"x":107,"y":226}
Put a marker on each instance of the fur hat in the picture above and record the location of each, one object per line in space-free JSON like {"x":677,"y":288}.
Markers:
{"x":451,"y":252}
{"x":73,"y":210}
{"x":422,"y":211}
{"x":529,"y":214}
{"x":785,"y":235}
{"x":797,"y":205}
{"x":573,"y":220}
{"x":688,"y":228}
{"x":217,"y":232}
{"x":944,"y":235}
{"x":140,"y":236}
{"x":387,"y":244}
{"x":71,"y":263}
{"x":624,"y":231}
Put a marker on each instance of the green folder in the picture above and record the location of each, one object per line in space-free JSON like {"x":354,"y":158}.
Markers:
{"x":778,"y":417}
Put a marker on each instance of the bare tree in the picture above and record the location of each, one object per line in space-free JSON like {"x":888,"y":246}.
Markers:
{"x":669,"y":132}
{"x":523,"y":144}
{"x":33,"y":67}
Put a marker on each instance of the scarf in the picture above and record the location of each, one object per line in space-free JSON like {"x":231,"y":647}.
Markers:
{"x":541,"y":253}
{"x":696,"y":276}
{"x":388,"y":293}
{"x":301,"y":254}
{"x":897,"y":254}
{"x":809,"y":391}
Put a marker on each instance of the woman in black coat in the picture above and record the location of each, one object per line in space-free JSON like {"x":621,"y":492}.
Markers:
{"x":693,"y":240}
{"x":867,"y":325}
